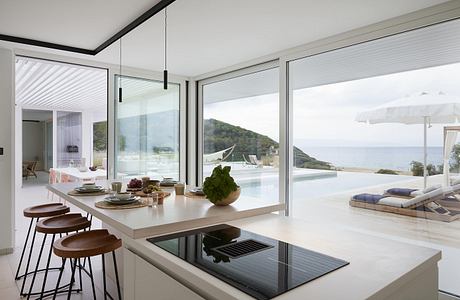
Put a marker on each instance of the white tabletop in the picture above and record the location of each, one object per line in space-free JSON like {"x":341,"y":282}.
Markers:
{"x":74,"y":172}
{"x":176,"y":214}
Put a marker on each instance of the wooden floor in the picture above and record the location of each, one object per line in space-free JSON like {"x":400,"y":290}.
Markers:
{"x":334,"y":210}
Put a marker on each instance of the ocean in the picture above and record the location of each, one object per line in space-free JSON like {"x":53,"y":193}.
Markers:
{"x":394,"y":158}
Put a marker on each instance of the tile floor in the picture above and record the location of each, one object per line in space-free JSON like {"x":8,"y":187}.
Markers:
{"x":33,"y":192}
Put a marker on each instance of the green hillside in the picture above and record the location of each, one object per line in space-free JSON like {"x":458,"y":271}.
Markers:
{"x":219,"y":135}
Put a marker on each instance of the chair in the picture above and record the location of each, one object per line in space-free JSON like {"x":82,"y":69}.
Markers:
{"x":28,"y":169}
{"x":86,"y":245}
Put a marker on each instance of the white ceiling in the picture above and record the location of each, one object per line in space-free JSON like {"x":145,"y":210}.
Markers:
{"x":204,"y":35}
{"x":49,"y":85}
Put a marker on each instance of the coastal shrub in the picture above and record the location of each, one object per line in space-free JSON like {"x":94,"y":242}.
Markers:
{"x":417,"y":169}
{"x":386,"y":171}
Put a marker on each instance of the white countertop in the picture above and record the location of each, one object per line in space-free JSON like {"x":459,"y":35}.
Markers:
{"x":176,"y":214}
{"x":378,"y":267}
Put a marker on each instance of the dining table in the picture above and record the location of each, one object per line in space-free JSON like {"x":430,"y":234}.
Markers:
{"x":79,"y":175}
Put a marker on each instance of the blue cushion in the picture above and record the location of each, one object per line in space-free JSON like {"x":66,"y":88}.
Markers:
{"x":401,"y":191}
{"x":368,"y":198}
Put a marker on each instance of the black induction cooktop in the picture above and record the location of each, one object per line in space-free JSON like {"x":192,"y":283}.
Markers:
{"x":257,"y":265}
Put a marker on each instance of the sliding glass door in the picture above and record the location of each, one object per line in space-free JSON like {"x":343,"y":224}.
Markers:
{"x":364,"y":119}
{"x":240,"y":129}
{"x":147,"y":129}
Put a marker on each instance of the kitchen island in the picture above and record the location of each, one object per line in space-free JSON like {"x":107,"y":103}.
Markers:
{"x":378,"y":268}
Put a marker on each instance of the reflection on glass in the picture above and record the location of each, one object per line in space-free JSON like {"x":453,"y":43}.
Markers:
{"x":69,"y":139}
{"x":147,"y":129}
{"x":262,"y":272}
{"x":331,"y":93}
{"x":240,"y":129}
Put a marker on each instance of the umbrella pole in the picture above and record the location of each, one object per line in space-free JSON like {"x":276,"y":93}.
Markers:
{"x":424,"y":151}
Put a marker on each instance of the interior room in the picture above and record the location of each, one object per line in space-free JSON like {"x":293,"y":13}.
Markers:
{"x":203,"y":149}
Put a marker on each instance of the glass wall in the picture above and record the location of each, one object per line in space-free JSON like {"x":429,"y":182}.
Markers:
{"x":69,"y":139}
{"x":241,"y":130}
{"x":147,"y":129}
{"x":359,"y":116}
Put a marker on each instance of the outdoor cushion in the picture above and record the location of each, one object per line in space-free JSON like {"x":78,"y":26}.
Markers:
{"x":431,"y":188}
{"x":400,"y":191}
{"x":430,"y":195}
{"x":393,"y":201}
{"x":368,"y":198}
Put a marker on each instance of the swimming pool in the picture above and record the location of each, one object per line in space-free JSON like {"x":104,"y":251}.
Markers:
{"x":310,"y":188}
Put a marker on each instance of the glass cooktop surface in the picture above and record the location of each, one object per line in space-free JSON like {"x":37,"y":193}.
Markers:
{"x":257,"y":265}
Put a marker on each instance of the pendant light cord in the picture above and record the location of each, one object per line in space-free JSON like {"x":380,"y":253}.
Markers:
{"x":120,"y":62}
{"x":166,"y":38}
{"x":120,"y":97}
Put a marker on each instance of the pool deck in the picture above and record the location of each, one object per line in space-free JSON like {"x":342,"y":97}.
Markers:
{"x":335,"y":210}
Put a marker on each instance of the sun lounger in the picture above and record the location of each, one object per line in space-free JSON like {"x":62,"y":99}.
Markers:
{"x":424,"y":205}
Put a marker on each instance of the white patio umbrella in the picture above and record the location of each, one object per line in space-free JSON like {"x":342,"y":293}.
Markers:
{"x":424,"y":108}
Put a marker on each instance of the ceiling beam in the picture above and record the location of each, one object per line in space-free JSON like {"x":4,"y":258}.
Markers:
{"x":138,"y":21}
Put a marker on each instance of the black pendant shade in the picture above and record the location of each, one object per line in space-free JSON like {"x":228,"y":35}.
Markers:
{"x":120,"y":90}
{"x":165,"y":72}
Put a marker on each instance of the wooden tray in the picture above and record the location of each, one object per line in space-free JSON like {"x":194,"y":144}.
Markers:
{"x":192,"y":195}
{"x":75,"y":193}
{"x":160,"y":194}
{"x":106,"y":205}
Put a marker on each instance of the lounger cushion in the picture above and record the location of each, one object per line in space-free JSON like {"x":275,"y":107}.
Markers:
{"x":400,"y":191}
{"x":403,"y":203}
{"x":393,"y":201}
{"x":431,"y":188}
{"x":431,"y":195}
{"x":368,"y":198}
{"x":453,"y":189}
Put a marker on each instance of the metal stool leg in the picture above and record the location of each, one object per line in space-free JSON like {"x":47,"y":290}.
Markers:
{"x":28,"y":263}
{"x":16,"y":277}
{"x":72,"y":279}
{"x":59,"y":279}
{"x":103,"y":277}
{"x":116,"y":274}
{"x":91,"y":276}
{"x":79,"y":271}
{"x":36,"y":267}
{"x":47,"y":266}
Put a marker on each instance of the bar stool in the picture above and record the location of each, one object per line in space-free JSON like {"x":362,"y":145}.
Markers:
{"x":55,"y":225}
{"x":35,"y":213}
{"x":85,"y":245}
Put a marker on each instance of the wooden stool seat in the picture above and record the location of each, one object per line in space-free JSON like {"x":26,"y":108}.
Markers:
{"x":86,"y":244}
{"x":46,"y":210}
{"x":63,"y":224}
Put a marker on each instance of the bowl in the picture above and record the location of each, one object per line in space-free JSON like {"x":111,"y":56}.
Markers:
{"x":123,"y":195}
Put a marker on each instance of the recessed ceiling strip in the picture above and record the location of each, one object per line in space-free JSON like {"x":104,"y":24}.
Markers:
{"x":138,"y":21}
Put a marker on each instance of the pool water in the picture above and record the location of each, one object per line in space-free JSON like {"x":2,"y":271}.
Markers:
{"x":305,"y":189}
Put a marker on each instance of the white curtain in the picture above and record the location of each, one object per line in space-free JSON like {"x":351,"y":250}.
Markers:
{"x":449,"y":142}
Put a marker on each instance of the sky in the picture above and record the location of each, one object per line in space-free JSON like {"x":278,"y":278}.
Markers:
{"x":325,"y":115}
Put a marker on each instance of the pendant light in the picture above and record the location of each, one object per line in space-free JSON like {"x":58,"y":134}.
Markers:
{"x":120,"y":90}
{"x":165,"y":71}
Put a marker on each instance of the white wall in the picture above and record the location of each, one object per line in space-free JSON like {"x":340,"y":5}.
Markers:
{"x":33,"y":142}
{"x":7,"y":142}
